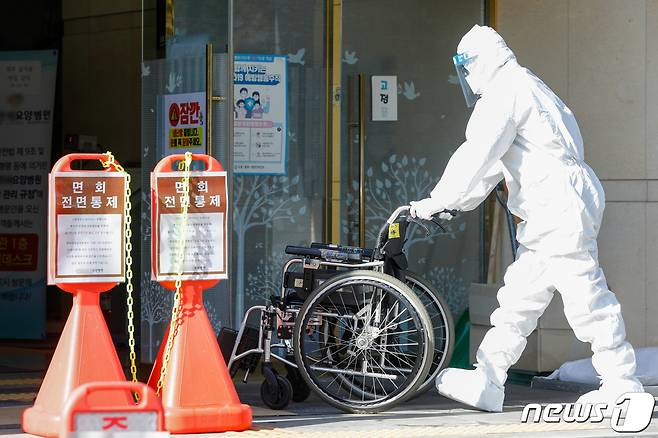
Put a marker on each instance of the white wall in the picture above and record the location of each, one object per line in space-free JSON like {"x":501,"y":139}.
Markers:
{"x":601,"y":58}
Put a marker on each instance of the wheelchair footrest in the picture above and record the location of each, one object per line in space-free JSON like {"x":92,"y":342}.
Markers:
{"x":227,"y":338}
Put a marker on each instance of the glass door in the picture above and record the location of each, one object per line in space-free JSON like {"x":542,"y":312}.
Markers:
{"x":390,"y":163}
{"x":186,"y":64}
{"x":267,"y":128}
{"x":280,"y":206}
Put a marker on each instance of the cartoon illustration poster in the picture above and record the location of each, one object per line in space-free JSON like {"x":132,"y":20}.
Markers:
{"x":184,"y":123}
{"x":260,"y":112}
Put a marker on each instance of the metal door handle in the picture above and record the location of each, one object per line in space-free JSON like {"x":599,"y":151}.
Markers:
{"x":362,"y":160}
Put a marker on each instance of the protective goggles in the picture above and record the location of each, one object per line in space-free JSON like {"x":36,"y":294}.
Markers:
{"x":461,"y":61}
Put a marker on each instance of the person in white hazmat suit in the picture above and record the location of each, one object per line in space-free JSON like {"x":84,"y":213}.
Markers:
{"x":521,"y":131}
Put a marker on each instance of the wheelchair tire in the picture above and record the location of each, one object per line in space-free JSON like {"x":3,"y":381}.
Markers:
{"x":442,"y":325}
{"x":300,"y":390}
{"x":381,"y":344}
{"x":277,"y":396}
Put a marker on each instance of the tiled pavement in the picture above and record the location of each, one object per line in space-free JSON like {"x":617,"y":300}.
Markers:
{"x":21,"y":370}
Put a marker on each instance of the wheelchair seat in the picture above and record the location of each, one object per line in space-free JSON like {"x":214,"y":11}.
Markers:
{"x":328,"y":252}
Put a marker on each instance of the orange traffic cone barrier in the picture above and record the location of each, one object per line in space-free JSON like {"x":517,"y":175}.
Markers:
{"x":198,"y":395}
{"x":85,"y":353}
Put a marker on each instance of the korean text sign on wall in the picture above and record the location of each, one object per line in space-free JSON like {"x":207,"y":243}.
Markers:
{"x":27,"y":95}
{"x":384,"y":98}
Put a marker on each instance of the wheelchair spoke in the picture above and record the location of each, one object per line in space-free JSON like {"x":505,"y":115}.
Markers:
{"x":365,"y":344}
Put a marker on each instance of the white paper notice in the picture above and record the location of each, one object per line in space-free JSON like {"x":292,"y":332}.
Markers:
{"x":204,"y":246}
{"x":87,"y":245}
{"x":384,"y":98}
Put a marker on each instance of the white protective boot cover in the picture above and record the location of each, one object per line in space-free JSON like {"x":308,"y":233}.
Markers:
{"x":583,"y":371}
{"x":609,"y":392}
{"x":471,"y":387}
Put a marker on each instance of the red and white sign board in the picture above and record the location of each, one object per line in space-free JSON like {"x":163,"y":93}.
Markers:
{"x":116,"y":421}
{"x":86,"y":416}
{"x":86,"y":227}
{"x":117,"y":434}
{"x":206,"y":250}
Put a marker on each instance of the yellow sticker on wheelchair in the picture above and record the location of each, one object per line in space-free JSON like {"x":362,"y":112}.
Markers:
{"x":394,"y":231}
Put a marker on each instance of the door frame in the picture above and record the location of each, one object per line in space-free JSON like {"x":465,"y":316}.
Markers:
{"x":332,"y":179}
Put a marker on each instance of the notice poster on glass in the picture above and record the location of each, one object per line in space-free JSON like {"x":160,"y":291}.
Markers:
{"x":194,"y":245}
{"x":260,"y":112}
{"x":184,"y":123}
{"x":86,"y":227}
{"x":27,"y":95}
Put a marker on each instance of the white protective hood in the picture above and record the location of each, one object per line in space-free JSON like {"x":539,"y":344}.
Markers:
{"x":488,"y":52}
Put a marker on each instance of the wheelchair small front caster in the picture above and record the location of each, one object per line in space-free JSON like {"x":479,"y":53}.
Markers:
{"x":276,"y":395}
{"x":276,"y":390}
{"x":300,"y":390}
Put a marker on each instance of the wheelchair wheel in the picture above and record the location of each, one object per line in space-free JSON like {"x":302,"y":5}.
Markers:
{"x":276,"y":395}
{"x":363,"y":341}
{"x":442,"y":325}
{"x":300,"y":390}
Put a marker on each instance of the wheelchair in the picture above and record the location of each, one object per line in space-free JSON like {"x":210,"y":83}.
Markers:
{"x":351,"y":324}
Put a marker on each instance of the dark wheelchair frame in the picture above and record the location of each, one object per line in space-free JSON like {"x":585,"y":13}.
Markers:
{"x":321,"y":264}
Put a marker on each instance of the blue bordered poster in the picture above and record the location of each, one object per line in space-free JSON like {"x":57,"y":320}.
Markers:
{"x":260,"y":114}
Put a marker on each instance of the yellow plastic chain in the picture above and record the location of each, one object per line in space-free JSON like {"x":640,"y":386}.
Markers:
{"x":129,"y":262}
{"x":178,"y":302}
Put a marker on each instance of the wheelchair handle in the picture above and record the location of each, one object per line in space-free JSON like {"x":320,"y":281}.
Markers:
{"x":381,"y":236}
{"x":452,"y":213}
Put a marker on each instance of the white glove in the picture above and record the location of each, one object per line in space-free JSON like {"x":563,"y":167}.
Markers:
{"x":446,"y":216}
{"x":425,"y":208}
